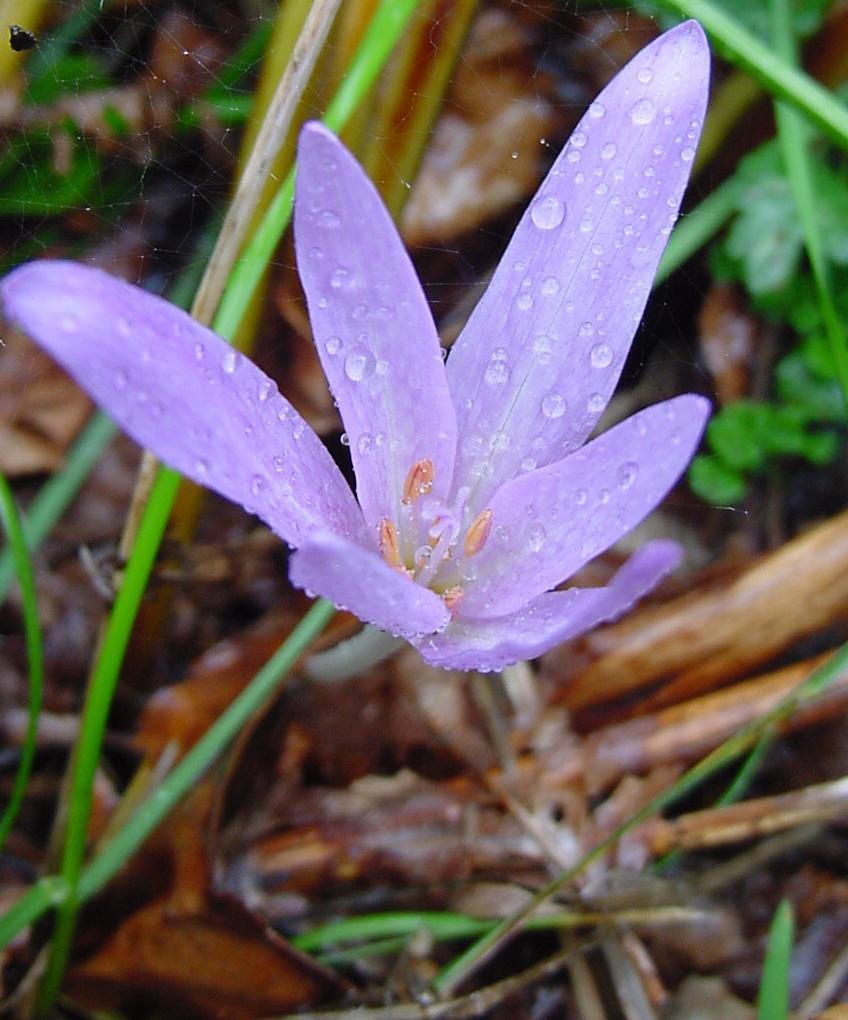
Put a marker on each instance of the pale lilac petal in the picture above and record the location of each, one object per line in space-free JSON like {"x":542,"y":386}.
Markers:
{"x":183,"y":393}
{"x":359,"y":581}
{"x":547,"y":524}
{"x":372,"y":327}
{"x":543,"y":349}
{"x":550,"y":619}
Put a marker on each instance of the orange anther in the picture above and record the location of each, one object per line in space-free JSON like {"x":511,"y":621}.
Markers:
{"x":478,"y":533}
{"x":452,"y":598}
{"x":419,"y":481}
{"x":389,"y":545}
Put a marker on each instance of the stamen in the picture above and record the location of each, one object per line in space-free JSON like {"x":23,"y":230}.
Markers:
{"x":389,"y":545}
{"x":419,"y":481}
{"x":478,"y":533}
{"x":452,"y":598}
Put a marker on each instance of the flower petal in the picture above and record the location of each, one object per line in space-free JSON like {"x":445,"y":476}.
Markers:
{"x":547,"y":524}
{"x":543,"y":350}
{"x":182,"y":392}
{"x":359,"y":581}
{"x":549,"y":619}
{"x":372,"y":327}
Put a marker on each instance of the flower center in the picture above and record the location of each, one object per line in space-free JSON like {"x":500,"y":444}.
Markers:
{"x":433,"y":543}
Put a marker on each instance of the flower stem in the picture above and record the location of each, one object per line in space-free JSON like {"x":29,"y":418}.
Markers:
{"x":351,"y":657}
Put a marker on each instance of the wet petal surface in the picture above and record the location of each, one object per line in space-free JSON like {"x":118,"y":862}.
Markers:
{"x":182,"y":392}
{"x":549,"y":619}
{"x":372,"y":328}
{"x":547,"y":524}
{"x":359,"y":581}
{"x":543,"y":349}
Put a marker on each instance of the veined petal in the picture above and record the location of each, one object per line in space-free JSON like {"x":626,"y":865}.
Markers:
{"x":183,"y":393}
{"x":549,"y":619}
{"x":372,"y":327}
{"x":359,"y":581}
{"x":543,"y":350}
{"x":547,"y":524}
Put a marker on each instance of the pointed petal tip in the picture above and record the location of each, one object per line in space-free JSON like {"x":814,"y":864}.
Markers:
{"x":314,"y":132}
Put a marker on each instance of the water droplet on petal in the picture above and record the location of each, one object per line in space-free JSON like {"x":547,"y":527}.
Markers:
{"x":257,"y":483}
{"x":579,"y":139}
{"x":581,"y":497}
{"x":365,"y":443}
{"x":536,"y":537}
{"x":643,"y":111}
{"x":229,"y":362}
{"x":497,"y":372}
{"x":645,"y":75}
{"x":627,"y":474}
{"x":524,"y":302}
{"x":597,"y":110}
{"x":601,"y":355}
{"x":595,"y":404}
{"x":199,"y":352}
{"x":687,"y":154}
{"x":201,"y":466}
{"x":609,"y":150}
{"x":328,"y":218}
{"x":550,"y":286}
{"x":333,"y":344}
{"x":344,"y":439}
{"x":340,"y":278}
{"x":547,"y":212}
{"x":553,"y":405}
{"x":359,"y":364}
{"x":266,"y":388}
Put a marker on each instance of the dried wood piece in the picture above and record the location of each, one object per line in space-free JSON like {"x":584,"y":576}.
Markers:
{"x":704,"y":639}
{"x":684,"y":732}
{"x":749,"y":819}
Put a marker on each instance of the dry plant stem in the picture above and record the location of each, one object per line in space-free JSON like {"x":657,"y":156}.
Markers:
{"x":704,"y":640}
{"x":750,"y":819}
{"x":238,"y":219}
{"x":585,"y":989}
{"x":628,"y":984}
{"x":352,"y":657}
{"x":756,"y":859}
{"x":825,"y":989}
{"x":464,"y":1007}
{"x":271,"y":135}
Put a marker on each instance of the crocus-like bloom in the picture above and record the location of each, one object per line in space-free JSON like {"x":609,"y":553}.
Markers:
{"x":476,"y":493}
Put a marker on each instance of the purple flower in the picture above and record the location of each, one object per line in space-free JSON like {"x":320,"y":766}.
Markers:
{"x":476,"y":493}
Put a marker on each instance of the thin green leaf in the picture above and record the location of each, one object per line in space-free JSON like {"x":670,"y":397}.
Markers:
{"x":34,"y":646}
{"x":773,"y":1003}
{"x":794,"y":138}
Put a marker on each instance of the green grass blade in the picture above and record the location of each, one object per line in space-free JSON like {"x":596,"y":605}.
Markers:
{"x":773,"y":1001}
{"x":697,"y":227}
{"x":794,"y":138}
{"x":34,"y":646}
{"x":218,"y":737}
{"x":732,"y":748}
{"x":772,"y":71}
